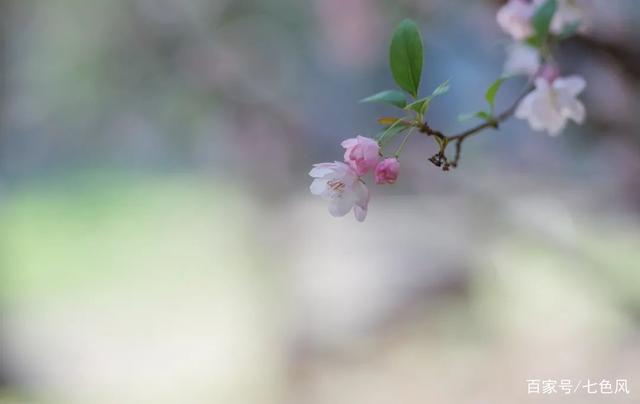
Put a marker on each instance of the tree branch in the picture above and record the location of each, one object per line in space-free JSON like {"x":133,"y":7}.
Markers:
{"x":440,"y":158}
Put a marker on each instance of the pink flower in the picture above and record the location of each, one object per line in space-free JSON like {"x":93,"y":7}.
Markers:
{"x":515,"y":18}
{"x":340,"y":185}
{"x":361,"y":153}
{"x":387,"y":171}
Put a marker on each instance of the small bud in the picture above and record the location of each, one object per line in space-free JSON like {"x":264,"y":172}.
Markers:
{"x":387,"y":171}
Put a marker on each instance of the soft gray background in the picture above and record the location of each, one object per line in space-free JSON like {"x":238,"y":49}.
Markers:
{"x":158,"y":243}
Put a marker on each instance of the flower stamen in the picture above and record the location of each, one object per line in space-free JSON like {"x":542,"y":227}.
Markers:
{"x":336,"y":185}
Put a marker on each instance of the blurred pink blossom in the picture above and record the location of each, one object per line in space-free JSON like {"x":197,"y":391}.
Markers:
{"x":515,"y":18}
{"x":362,"y":153}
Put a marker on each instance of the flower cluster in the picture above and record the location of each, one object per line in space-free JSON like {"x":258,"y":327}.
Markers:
{"x":341,"y":183}
{"x":548,"y":103}
{"x":554,"y":99}
{"x":515,"y":17}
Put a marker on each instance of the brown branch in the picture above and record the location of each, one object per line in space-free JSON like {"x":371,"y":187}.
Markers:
{"x":440,"y":158}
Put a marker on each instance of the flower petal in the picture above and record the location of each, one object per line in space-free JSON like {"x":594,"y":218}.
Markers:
{"x":575,"y":110}
{"x":361,"y":201}
{"x":318,"y":186}
{"x":340,"y":206}
{"x":321,"y":169}
{"x":521,"y":59}
{"x":349,"y":143}
{"x":514,"y":18}
{"x":524,"y":107}
{"x":556,"y":126}
{"x":360,"y":213}
{"x":572,"y":85}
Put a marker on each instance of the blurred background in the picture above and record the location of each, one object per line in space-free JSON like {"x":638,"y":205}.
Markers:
{"x":158,"y":242}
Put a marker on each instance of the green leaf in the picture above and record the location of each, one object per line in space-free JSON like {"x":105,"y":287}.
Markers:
{"x":570,"y":30}
{"x":480,"y":114}
{"x":392,"y":131}
{"x":492,"y":91}
{"x":392,"y":97}
{"x":541,"y":22}
{"x":421,"y":105}
{"x":466,"y":117}
{"x":542,"y":18}
{"x":534,"y":41}
{"x":441,"y":89}
{"x":405,"y":57}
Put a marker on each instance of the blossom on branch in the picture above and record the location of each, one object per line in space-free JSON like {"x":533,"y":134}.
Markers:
{"x":339,"y":184}
{"x":551,"y":104}
{"x":536,"y":26}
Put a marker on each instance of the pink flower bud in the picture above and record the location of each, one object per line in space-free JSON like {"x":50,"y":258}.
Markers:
{"x":361,"y":153}
{"x":387,"y":171}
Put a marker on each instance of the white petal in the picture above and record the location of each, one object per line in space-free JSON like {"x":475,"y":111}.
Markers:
{"x":524,"y":107}
{"x":539,"y":108}
{"x":547,"y":117}
{"x":575,"y":110}
{"x":542,"y":109}
{"x":514,"y":18}
{"x":359,"y":213}
{"x":321,"y":170}
{"x":341,"y":169}
{"x":572,"y":85}
{"x":521,"y":59}
{"x":542,"y":86}
{"x":340,"y":206}
{"x":556,"y":125}
{"x":318,"y":186}
{"x":348,"y":176}
{"x":569,"y":105}
{"x":361,"y":201}
{"x":361,"y":194}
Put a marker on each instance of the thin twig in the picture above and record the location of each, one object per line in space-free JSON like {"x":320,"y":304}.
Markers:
{"x":404,"y":142}
{"x":506,"y":114}
{"x":441,"y":160}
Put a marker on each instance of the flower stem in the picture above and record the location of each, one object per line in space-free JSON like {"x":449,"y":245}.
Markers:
{"x":404,"y":142}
